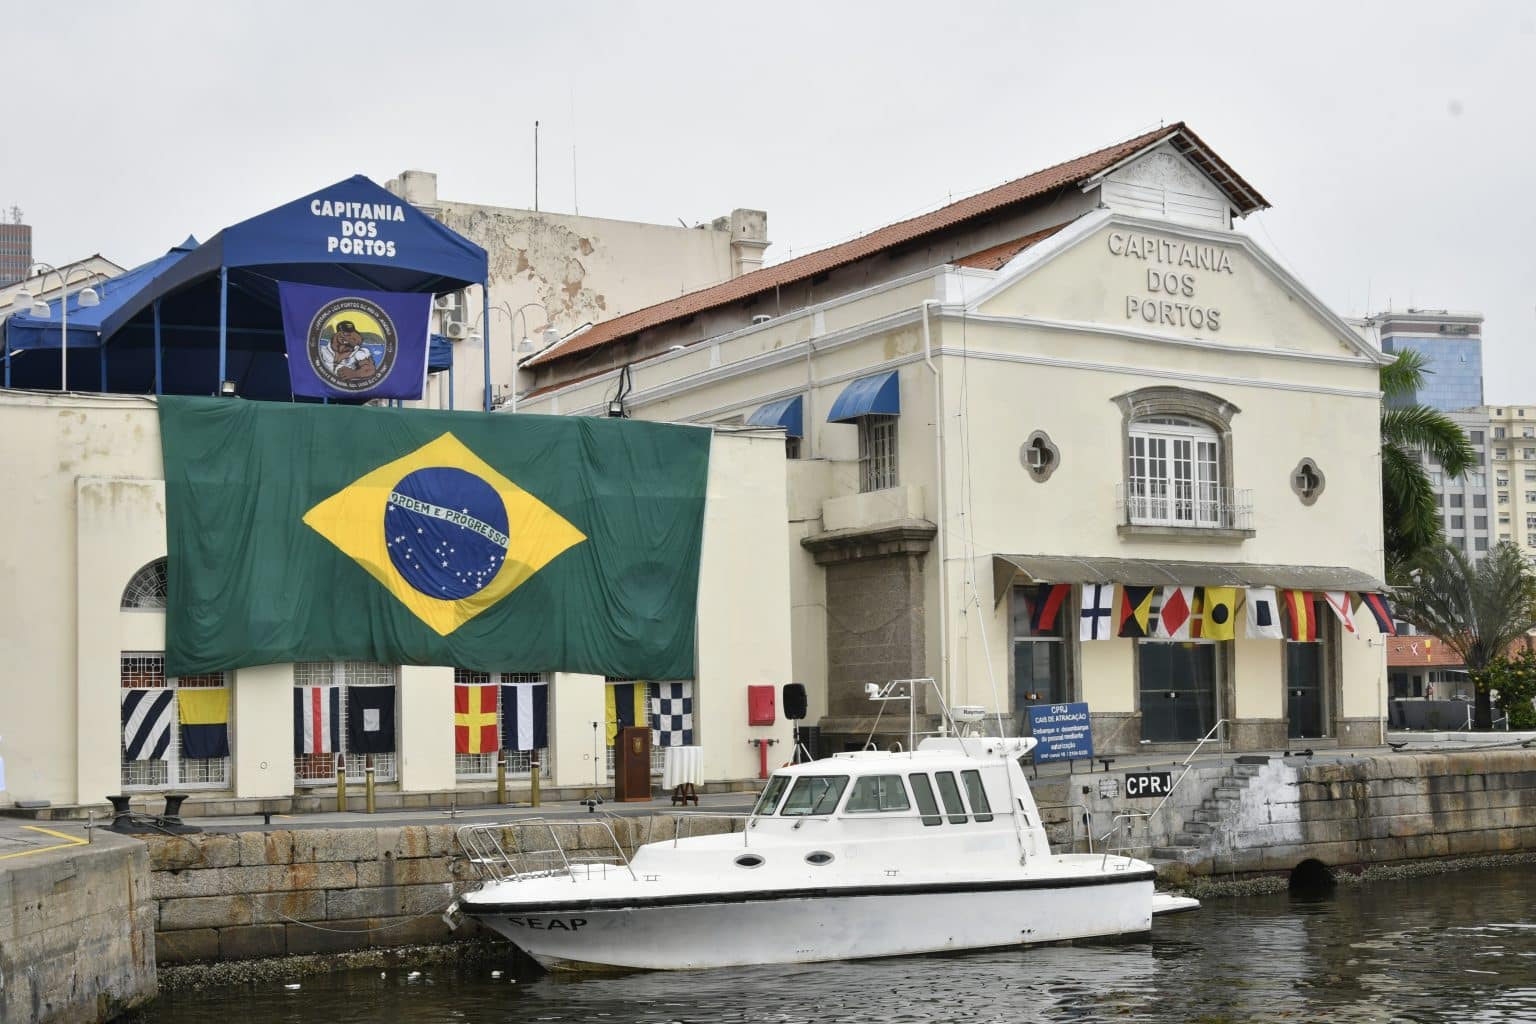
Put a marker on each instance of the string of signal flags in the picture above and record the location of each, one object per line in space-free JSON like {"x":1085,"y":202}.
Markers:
{"x":1109,"y":611}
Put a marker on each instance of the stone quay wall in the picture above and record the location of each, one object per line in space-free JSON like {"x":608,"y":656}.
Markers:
{"x":1347,"y":813}
{"x":76,"y":933}
{"x":248,"y":895}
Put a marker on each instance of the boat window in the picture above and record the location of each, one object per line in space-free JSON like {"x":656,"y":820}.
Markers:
{"x":875,"y":793}
{"x":749,"y":860}
{"x":922,"y":791}
{"x":980,"y":808}
{"x":814,"y":794}
{"x":818,"y":857}
{"x":949,"y":789}
{"x":770,"y":798}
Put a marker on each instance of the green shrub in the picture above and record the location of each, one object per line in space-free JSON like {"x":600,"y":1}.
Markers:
{"x":1514,"y":679}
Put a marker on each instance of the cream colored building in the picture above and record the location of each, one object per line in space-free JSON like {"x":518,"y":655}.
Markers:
{"x":1512,"y":454}
{"x":82,"y":618}
{"x":1082,"y":376}
{"x":555,"y":273}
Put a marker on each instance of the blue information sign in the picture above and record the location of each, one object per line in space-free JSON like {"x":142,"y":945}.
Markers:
{"x":1062,"y":732}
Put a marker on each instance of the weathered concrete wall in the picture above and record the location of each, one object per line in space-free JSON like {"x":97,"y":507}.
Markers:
{"x":237,"y":896}
{"x":1249,"y":818}
{"x":76,"y":933}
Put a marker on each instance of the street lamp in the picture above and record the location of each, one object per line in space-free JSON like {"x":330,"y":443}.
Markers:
{"x":25,"y":303}
{"x":519,"y":348}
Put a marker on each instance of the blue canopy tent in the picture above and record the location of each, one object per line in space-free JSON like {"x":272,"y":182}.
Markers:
{"x":212,"y":315}
{"x":28,"y":335}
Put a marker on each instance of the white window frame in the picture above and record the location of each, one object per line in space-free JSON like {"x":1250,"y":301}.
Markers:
{"x":1174,"y":474}
{"x":173,"y":771}
{"x":476,"y":767}
{"x":345,"y":674}
{"x":877,"y":453}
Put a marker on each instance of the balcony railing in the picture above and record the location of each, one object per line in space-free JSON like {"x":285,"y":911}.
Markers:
{"x":1208,"y":508}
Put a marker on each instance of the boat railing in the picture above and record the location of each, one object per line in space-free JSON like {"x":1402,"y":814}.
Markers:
{"x":686,"y":824}
{"x":1082,"y":817}
{"x":1144,"y":818}
{"x":515,"y":851}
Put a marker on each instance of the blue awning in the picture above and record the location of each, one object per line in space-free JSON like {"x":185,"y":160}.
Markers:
{"x":867,"y":396}
{"x":786,"y":413}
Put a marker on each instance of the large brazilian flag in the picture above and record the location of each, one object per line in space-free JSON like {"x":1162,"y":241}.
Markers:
{"x":489,"y":542}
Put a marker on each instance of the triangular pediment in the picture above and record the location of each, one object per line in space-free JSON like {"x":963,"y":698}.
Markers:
{"x":1154,"y":279}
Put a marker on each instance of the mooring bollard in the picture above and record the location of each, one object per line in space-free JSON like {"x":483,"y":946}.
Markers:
{"x":173,"y":802}
{"x":121,"y":814}
{"x":533,"y":793}
{"x":341,"y":785}
{"x":368,"y":783}
{"x":501,"y":777}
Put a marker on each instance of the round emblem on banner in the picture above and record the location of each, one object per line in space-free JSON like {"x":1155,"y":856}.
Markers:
{"x":446,"y":532}
{"x":352,"y":344}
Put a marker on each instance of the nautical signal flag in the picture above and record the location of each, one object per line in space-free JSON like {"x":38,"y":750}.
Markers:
{"x":1175,"y":613}
{"x":370,"y":719}
{"x":1049,"y":600}
{"x":316,"y":720}
{"x":525,"y":715}
{"x":626,"y":705}
{"x":1098,"y":606}
{"x":1338,"y":600}
{"x":428,"y":537}
{"x":1218,"y":613}
{"x":1379,"y":610}
{"x":1135,"y":610}
{"x":204,"y":721}
{"x":1301,"y":614}
{"x":475,"y":730}
{"x":1264,"y":614}
{"x":148,"y":718}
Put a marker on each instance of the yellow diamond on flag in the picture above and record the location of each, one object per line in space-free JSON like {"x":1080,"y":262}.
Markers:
{"x":445,"y":533}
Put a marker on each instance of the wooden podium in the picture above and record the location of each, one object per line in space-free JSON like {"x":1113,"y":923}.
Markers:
{"x":632,"y":765}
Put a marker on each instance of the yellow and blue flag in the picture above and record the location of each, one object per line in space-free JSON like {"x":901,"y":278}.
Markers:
{"x":204,"y":721}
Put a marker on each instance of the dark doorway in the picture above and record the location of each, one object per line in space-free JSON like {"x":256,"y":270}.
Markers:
{"x":1304,"y":689}
{"x":1178,"y":690}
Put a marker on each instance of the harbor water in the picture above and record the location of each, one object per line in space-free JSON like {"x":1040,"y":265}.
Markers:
{"x":1458,"y":947}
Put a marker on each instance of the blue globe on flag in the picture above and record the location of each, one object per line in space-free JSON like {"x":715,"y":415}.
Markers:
{"x":446,"y":532}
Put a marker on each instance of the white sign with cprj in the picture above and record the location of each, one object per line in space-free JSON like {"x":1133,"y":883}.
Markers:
{"x":1172,"y":280}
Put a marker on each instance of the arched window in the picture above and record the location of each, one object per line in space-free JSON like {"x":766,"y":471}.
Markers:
{"x":146,"y":590}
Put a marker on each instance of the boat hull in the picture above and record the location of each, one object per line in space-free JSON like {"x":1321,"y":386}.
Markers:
{"x":730,"y":930}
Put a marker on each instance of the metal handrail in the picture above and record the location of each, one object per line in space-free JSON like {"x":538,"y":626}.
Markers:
{"x":1086,"y":818}
{"x":482,"y":845}
{"x":1146,"y":816}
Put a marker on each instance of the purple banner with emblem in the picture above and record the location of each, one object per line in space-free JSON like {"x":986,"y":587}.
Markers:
{"x":350,"y":343}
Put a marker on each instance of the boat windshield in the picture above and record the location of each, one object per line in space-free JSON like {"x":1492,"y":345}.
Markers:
{"x":771,"y":793}
{"x":814,"y":794}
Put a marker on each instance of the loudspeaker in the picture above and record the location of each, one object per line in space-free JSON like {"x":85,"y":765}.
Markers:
{"x":794,"y":701}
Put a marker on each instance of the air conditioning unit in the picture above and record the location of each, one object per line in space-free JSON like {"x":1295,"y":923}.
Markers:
{"x":447,"y":302}
{"x":455,"y":330}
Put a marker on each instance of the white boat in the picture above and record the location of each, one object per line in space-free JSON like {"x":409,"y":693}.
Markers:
{"x":866,"y":854}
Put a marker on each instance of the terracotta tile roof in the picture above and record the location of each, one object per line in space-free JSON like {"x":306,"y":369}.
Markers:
{"x":1030,"y":186}
{"x":1432,"y":652}
{"x":998,"y":256}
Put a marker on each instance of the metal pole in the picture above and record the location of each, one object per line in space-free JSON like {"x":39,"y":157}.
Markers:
{"x":368,"y":783}
{"x":501,"y":776}
{"x":63,"y":333}
{"x":157,"y":347}
{"x":533,"y":792}
{"x":450,"y":378}
{"x":485,"y":339}
{"x":223,"y":331}
{"x":341,"y":784}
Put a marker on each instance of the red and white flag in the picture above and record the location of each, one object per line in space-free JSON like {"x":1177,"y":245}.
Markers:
{"x":1174,"y":614}
{"x":316,"y":720}
{"x":1338,"y":600}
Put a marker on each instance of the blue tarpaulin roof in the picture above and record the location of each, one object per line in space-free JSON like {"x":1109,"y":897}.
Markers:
{"x":23,"y":331}
{"x":867,"y":396}
{"x":786,"y":413}
{"x":350,"y":234}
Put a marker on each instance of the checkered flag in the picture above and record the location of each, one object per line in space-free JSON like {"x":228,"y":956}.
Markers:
{"x":672,"y":715}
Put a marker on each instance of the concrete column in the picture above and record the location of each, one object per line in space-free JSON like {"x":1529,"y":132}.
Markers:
{"x":426,"y":729}
{"x":575,"y":702}
{"x":261,"y":715}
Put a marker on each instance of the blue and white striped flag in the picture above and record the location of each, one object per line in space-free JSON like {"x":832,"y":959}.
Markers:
{"x":525,"y":716}
{"x":148,"y":718}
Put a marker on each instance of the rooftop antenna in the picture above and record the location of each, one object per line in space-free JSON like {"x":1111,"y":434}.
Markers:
{"x":15,"y":214}
{"x":535,"y":167}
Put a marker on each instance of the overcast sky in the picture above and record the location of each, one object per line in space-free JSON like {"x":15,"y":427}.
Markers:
{"x":1396,"y":141}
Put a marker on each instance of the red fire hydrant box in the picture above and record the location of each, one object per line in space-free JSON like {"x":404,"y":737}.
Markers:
{"x":760,"y":705}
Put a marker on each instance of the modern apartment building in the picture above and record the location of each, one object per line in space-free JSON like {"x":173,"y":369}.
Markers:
{"x":15,"y":248}
{"x":1512,"y":455}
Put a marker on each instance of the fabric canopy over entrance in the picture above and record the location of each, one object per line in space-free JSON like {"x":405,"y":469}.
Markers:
{"x":211,"y":313}
{"x":1152,"y":572}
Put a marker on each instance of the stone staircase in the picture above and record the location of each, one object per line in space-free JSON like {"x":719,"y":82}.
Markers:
{"x":1203,"y":826}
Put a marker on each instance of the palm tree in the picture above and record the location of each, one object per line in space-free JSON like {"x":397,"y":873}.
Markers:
{"x":1410,"y":508}
{"x":1476,"y":610}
